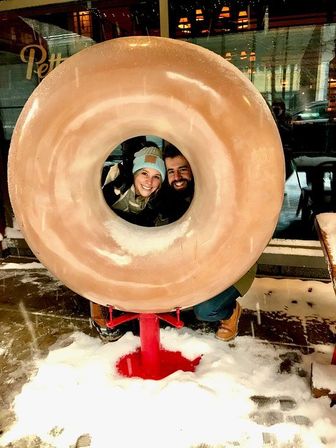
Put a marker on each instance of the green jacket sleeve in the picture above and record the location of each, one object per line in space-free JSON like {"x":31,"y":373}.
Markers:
{"x":244,"y":284}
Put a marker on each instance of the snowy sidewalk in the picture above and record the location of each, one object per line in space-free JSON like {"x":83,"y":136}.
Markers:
{"x":261,"y":388}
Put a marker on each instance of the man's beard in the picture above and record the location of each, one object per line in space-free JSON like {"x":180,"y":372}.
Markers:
{"x":185,"y":192}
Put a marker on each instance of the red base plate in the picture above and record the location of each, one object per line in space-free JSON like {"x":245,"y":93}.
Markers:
{"x":131,"y":365}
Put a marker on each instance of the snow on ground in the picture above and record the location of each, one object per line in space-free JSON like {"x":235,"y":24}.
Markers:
{"x":77,"y":390}
{"x":295,"y":297}
{"x":13,"y":232}
{"x":22,"y":266}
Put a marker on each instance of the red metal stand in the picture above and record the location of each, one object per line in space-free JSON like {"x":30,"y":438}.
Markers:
{"x":151,"y":361}
{"x":150,"y":342}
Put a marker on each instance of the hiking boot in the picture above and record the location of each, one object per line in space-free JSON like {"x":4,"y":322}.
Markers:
{"x":228,"y":329}
{"x":107,"y":334}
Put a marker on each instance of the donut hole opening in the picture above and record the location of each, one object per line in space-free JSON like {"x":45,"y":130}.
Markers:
{"x":135,"y":198}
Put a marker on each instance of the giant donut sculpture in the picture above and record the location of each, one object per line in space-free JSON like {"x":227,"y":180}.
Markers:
{"x":186,"y":95}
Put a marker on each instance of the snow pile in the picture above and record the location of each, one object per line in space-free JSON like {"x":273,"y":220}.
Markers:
{"x":22,"y":266}
{"x":78,"y":391}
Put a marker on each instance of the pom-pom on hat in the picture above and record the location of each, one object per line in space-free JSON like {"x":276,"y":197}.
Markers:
{"x":149,"y":157}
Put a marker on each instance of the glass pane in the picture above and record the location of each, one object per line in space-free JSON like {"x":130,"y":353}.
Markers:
{"x":286,"y":49}
{"x":294,"y":70}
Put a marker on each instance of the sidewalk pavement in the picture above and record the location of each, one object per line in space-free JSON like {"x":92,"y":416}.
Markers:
{"x":36,"y":310}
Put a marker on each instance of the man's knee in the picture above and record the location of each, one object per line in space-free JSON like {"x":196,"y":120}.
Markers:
{"x":218,"y":307}
{"x":204,"y":312}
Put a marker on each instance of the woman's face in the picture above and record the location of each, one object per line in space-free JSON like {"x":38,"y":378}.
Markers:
{"x":146,"y":181}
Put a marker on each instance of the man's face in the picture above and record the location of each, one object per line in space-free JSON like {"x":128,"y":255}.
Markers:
{"x":179,"y":173}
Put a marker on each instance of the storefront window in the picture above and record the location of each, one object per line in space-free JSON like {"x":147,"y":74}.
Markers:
{"x":286,"y":49}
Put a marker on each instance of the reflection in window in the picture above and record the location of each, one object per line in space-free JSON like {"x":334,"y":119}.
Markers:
{"x":82,"y":22}
{"x":184,"y":25}
{"x":199,"y":15}
{"x":242,"y":20}
{"x":225,"y":13}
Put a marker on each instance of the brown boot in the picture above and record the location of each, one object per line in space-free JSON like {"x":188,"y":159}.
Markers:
{"x":98,"y":322}
{"x":96,"y":312}
{"x":228,"y":329}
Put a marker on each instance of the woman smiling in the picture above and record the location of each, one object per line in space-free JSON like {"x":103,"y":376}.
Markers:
{"x":132,"y":202}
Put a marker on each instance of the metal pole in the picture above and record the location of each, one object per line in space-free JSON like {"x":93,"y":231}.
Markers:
{"x":150,"y":342}
{"x":164,"y":18}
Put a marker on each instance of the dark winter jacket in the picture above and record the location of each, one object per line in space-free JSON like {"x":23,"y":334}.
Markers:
{"x":119,"y":194}
{"x":171,"y":205}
